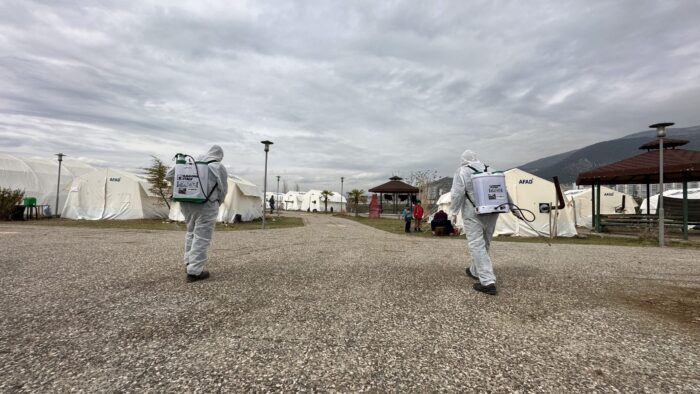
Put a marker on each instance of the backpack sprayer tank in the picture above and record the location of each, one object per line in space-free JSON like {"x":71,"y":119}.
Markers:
{"x":490,"y":194}
{"x":191,"y":177}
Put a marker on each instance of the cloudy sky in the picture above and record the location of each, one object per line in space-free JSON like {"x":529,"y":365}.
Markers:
{"x":360,"y":89}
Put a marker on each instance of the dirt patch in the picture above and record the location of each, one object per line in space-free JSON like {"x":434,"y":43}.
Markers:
{"x":680,"y":304}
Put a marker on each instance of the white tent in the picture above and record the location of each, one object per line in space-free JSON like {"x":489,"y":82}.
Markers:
{"x":313,"y":201}
{"x":107,"y":193}
{"x":243,"y":198}
{"x":527,"y":192}
{"x":693,"y":194}
{"x":292,"y":200}
{"x":278,"y":198}
{"x":38,"y":177}
{"x":610,"y":204}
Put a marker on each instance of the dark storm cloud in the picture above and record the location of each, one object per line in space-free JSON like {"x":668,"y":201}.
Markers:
{"x":356,"y":89}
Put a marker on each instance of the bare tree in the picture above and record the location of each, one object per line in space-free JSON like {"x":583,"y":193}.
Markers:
{"x":285,"y":188}
{"x":422,"y":180}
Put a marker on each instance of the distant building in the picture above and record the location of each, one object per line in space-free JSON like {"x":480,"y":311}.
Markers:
{"x":438,"y":188}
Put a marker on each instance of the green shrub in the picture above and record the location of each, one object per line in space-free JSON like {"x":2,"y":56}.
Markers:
{"x":8,"y":199}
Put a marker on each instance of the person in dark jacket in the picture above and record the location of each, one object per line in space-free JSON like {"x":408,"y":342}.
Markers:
{"x":440,"y":220}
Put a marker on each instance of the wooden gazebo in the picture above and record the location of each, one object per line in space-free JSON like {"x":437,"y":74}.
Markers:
{"x":680,"y":165}
{"x":396,"y":189}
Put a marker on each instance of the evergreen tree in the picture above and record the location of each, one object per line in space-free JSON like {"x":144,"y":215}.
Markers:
{"x":155,"y":174}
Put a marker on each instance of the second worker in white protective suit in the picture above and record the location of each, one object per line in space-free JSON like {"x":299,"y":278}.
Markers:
{"x":201,"y":218}
{"x":478,"y":228}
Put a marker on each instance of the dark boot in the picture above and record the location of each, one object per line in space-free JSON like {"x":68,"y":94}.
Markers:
{"x":490,"y":289}
{"x":193,"y":278}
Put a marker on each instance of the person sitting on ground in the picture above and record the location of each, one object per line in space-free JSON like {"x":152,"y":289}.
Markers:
{"x":440,"y":220}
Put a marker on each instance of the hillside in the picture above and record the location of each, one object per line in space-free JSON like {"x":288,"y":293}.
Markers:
{"x":569,"y":164}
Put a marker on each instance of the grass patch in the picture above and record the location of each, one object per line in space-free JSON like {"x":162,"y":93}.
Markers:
{"x":396,"y":226}
{"x":604,"y":240}
{"x":159,"y":224}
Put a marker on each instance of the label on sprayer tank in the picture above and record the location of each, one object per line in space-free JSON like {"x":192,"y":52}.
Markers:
{"x":490,"y":193}
{"x":190,"y":179}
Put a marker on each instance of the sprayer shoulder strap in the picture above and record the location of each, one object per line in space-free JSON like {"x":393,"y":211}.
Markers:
{"x":215,"y":184}
{"x":212,"y":190}
{"x":466,"y":193}
{"x":486,"y":169}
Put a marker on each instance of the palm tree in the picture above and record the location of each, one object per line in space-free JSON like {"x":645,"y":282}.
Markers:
{"x":357,"y":196}
{"x":325,"y":195}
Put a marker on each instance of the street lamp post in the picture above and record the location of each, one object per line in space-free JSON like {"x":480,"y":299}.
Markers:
{"x":58,"y":183}
{"x":277,"y":195}
{"x":661,"y":133}
{"x":342,"y":178}
{"x":267,"y":149}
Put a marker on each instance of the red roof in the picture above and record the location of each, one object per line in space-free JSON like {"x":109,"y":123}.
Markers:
{"x":679,"y":165}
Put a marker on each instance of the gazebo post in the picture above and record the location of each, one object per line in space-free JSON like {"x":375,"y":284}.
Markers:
{"x":648,"y":205}
{"x":685,"y":208}
{"x":381,"y":197}
{"x":597,"y":206}
{"x":595,"y":226}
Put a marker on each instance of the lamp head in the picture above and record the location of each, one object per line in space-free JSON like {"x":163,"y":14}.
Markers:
{"x":267,"y":145}
{"x":661,"y":128}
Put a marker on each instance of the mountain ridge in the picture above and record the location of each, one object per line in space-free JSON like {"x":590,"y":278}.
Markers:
{"x":569,"y":164}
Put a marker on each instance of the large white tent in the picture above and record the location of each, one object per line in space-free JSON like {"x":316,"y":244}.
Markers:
{"x":292,"y":200}
{"x":313,"y":201}
{"x":243,"y":198}
{"x":693,"y":194}
{"x":611,"y":203}
{"x":278,"y":198}
{"x":38,"y":177}
{"x":527,"y":192}
{"x":108,"y":193}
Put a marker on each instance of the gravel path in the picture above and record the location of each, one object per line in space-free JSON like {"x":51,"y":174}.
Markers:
{"x":336,"y":305}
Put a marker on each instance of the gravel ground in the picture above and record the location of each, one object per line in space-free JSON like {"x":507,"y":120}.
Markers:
{"x":338,"y":306}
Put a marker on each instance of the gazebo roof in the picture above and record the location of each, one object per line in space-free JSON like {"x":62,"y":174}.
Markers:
{"x":394,"y":186}
{"x":679,"y":165}
{"x":669,"y":143}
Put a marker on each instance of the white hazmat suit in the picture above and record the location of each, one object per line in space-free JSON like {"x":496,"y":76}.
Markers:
{"x":201,"y":218}
{"x":478,"y":228}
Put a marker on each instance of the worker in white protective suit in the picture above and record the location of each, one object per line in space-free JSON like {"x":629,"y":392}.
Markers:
{"x":201,"y":218}
{"x":478,"y":228}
